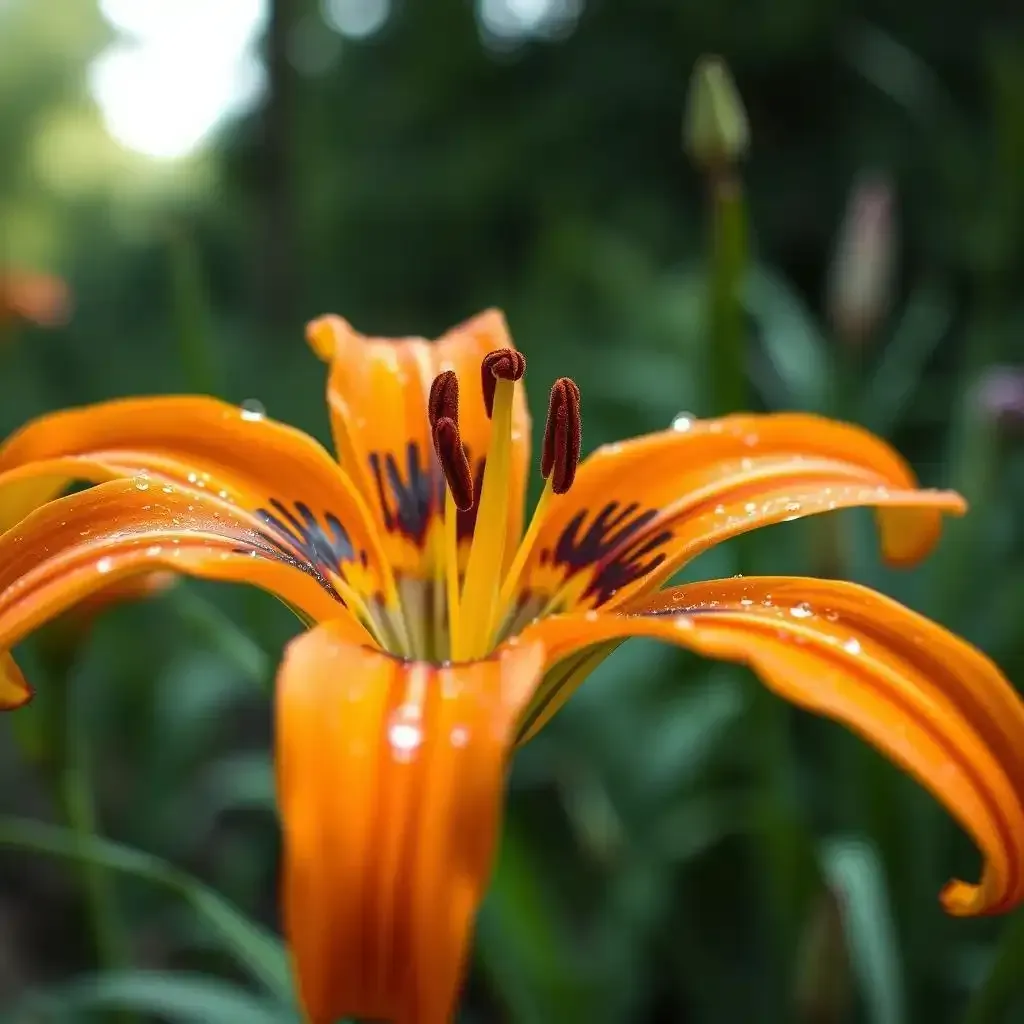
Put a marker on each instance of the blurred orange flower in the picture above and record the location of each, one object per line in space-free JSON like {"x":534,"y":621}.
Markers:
{"x":39,"y":298}
{"x":444,"y":634}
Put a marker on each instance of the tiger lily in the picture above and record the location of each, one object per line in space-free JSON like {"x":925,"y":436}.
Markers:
{"x":446,"y":630}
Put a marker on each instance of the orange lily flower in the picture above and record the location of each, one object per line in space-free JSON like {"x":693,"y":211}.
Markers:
{"x":444,"y":634}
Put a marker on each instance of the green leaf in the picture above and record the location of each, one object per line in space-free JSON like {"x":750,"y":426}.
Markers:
{"x":922,"y":327}
{"x":790,"y":340}
{"x":255,"y":949}
{"x":520,"y":942}
{"x":853,"y":869}
{"x":178,"y":998}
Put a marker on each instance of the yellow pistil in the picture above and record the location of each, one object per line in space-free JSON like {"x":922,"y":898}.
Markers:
{"x":483,"y":570}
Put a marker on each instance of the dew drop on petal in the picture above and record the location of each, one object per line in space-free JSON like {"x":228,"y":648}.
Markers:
{"x":253,"y":410}
{"x":405,"y":732}
{"x":683,"y":421}
{"x":167,"y":489}
{"x":104,"y":565}
{"x":801,"y":611}
{"x":852,"y":646}
{"x":153,"y":550}
{"x":141,"y":481}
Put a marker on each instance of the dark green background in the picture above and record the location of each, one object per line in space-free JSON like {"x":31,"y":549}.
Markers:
{"x":671,"y":838}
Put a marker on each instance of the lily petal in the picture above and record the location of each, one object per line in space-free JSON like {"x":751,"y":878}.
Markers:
{"x":639,"y":511}
{"x":377,"y":391}
{"x":390,"y":776}
{"x":926,"y":699}
{"x":14,"y":691}
{"x":277,"y":477}
{"x":73,"y":548}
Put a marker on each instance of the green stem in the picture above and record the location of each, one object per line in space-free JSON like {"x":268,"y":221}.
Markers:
{"x":786,"y":851}
{"x":726,"y":331}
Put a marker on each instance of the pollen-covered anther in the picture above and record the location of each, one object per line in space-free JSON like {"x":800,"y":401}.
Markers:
{"x":451,"y":454}
{"x":501,"y":364}
{"x":563,"y":436}
{"x":443,"y":402}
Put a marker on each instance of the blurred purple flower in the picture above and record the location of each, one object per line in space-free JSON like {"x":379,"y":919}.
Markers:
{"x":999,"y":394}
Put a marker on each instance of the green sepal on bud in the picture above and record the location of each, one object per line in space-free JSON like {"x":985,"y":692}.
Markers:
{"x":716,"y":133}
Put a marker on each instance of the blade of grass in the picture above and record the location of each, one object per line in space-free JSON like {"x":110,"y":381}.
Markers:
{"x":177,"y":998}
{"x":254,"y":949}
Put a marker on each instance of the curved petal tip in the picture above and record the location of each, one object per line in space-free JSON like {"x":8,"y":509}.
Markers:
{"x":14,"y":690}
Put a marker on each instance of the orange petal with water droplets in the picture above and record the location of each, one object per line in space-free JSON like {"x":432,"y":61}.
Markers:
{"x":640,"y":510}
{"x":253,"y":466}
{"x":390,"y":779}
{"x":377,"y":390}
{"x":75,"y":549}
{"x":929,"y":701}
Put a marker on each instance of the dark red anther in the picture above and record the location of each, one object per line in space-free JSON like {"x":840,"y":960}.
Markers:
{"x":443,"y":402}
{"x":563,"y":435}
{"x":501,"y":364}
{"x":451,"y":454}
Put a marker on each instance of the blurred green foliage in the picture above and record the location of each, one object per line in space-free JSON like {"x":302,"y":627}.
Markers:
{"x":674,"y":850}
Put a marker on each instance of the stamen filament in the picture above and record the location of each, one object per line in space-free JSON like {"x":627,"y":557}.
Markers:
{"x":451,"y":573}
{"x":515,"y":570}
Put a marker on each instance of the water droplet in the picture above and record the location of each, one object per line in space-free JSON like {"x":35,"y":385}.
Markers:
{"x":832,"y":615}
{"x":105,"y":565}
{"x":141,"y":481}
{"x":253,"y":410}
{"x":792,"y":506}
{"x":405,"y":734}
{"x":167,"y":489}
{"x":154,"y":550}
{"x":193,"y":477}
{"x":746,"y":602}
{"x":82,"y":533}
{"x":684,"y":622}
{"x":852,"y":646}
{"x":683,"y":421}
{"x":750,"y":508}
{"x":801,"y":611}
